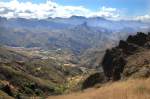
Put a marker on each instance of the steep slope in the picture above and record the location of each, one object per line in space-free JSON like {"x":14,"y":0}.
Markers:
{"x":129,"y":59}
{"x":23,"y":76}
{"x":126,"y":70}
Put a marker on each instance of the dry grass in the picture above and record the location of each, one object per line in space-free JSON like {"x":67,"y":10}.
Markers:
{"x":4,"y":95}
{"x":131,"y":89}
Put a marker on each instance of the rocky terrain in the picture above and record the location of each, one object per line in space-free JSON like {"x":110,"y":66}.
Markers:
{"x":125,"y":75}
{"x":129,"y":59}
{"x":64,"y":55}
{"x":26,"y":72}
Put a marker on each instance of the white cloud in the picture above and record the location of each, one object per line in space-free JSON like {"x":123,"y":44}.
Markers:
{"x":143,"y":18}
{"x":15,"y":8}
{"x":107,"y":12}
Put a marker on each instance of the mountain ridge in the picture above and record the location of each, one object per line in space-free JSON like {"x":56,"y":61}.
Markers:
{"x":57,"y":32}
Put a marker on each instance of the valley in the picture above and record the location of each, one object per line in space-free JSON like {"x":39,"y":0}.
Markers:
{"x":76,"y":37}
{"x":74,"y":49}
{"x":76,"y":57}
{"x":27,"y":72}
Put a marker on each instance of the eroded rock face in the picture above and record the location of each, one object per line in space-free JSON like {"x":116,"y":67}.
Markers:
{"x":127,"y":48}
{"x":130,"y":59}
{"x":117,"y":62}
{"x":113,"y":64}
{"x":139,"y":39}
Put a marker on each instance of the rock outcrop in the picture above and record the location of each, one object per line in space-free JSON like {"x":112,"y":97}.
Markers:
{"x":131,"y":58}
{"x":93,"y":79}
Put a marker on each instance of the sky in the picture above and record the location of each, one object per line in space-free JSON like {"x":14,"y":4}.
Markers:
{"x":113,"y":9}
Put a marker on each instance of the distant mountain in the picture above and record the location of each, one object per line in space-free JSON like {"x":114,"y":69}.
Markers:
{"x":49,"y":56}
{"x":76,"y":33}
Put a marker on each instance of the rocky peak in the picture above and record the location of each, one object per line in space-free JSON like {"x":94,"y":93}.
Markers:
{"x":139,"y":39}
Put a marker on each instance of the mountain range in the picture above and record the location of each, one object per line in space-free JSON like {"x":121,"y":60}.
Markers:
{"x":55,"y":56}
{"x":76,"y":34}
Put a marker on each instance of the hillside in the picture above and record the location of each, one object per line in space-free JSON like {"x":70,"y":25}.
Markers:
{"x":23,"y":74}
{"x":129,"y":59}
{"x":63,"y":55}
{"x":125,"y":75}
{"x":77,"y":38}
{"x":27,"y":72}
{"x":74,"y":49}
{"x":131,"y":89}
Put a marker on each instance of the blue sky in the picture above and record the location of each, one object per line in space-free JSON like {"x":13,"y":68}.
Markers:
{"x":131,"y":7}
{"x":126,"y":8}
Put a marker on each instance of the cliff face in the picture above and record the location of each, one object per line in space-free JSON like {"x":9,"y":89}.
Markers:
{"x":131,"y":58}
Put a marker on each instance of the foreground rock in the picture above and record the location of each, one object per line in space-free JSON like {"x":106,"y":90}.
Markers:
{"x":131,"y":58}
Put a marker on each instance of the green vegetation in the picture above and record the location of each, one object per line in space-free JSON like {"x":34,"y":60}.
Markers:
{"x":22,"y":76}
{"x":61,"y":89}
